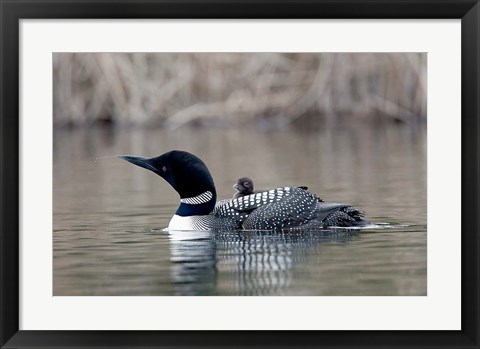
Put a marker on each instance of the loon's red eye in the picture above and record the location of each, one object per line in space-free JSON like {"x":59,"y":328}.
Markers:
{"x":164,"y":168}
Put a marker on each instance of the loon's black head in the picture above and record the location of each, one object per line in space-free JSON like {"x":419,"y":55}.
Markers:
{"x":187,"y":174}
{"x":244,"y":186}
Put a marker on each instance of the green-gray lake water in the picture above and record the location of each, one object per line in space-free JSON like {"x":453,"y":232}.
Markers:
{"x":108,"y":215}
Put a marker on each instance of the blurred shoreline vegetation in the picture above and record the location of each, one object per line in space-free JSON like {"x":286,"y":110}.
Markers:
{"x":266,"y":90}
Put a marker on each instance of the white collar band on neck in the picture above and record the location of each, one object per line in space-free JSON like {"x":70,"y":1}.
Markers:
{"x":199,"y":199}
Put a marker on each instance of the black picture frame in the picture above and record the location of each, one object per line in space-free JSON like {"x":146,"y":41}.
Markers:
{"x":12,"y":11}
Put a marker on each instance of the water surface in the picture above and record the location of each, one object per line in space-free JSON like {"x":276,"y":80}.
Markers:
{"x":108,"y":215}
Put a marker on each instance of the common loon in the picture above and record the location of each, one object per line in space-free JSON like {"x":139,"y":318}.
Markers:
{"x":287,"y":208}
{"x":244,"y":187}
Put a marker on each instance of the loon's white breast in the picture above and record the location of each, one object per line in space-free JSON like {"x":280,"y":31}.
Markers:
{"x":198,"y":223}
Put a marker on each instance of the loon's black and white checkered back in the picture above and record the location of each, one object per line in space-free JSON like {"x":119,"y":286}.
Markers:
{"x":248,"y":211}
{"x":231,"y":213}
{"x":294,"y":210}
{"x":289,"y":208}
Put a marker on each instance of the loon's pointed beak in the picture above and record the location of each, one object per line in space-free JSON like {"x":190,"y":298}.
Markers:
{"x":237,"y":187}
{"x":139,"y":161}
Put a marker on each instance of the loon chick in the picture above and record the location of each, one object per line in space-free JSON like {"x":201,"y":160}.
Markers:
{"x":287,"y":208}
{"x":244,"y":187}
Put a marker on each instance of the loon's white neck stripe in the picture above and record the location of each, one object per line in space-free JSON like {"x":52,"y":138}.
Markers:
{"x":199,"y":199}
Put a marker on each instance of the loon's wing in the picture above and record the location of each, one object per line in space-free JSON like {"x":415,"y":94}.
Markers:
{"x":284,"y":208}
{"x":301,"y":209}
{"x":290,"y":211}
{"x":231,"y":213}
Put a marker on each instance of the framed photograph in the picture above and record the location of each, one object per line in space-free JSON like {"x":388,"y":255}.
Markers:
{"x":239,"y":174}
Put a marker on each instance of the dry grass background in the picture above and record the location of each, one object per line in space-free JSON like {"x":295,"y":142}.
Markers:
{"x":230,"y":89}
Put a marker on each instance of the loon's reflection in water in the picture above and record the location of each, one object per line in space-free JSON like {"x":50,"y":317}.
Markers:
{"x":252,"y":263}
{"x":193,"y":258}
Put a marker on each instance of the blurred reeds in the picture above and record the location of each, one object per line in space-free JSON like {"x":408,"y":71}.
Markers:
{"x":231,"y":89}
